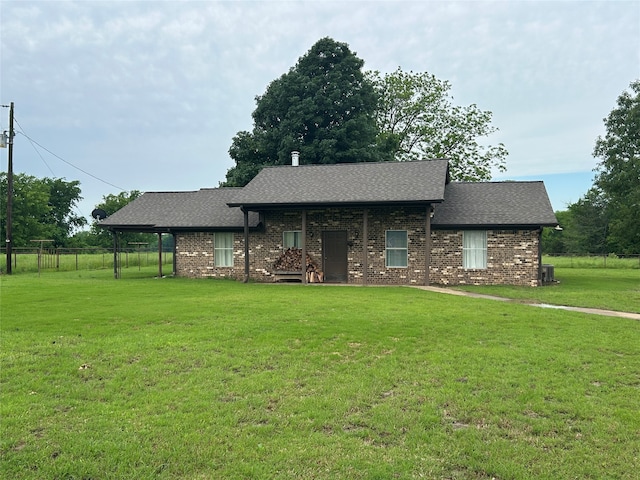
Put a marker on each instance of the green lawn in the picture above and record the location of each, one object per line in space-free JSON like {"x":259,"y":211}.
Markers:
{"x":201,"y":379}
{"x":612,"y":289}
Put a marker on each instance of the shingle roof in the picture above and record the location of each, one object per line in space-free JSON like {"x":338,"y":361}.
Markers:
{"x":495,"y":204}
{"x":346,"y":184}
{"x":159,"y":211}
{"x":481,"y":204}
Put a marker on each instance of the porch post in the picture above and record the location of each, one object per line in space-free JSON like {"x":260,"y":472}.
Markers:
{"x":427,"y":245}
{"x":175,"y":255}
{"x":246,"y":245}
{"x":115,"y":254}
{"x":159,"y":255}
{"x":365,"y":250}
{"x":303,"y":245}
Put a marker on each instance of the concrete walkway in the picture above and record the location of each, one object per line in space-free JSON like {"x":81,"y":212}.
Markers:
{"x":594,"y":311}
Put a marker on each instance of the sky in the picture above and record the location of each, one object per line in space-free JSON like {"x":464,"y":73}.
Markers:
{"x":148,"y":95}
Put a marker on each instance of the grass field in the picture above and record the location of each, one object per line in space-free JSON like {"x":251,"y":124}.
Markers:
{"x":593,"y":261}
{"x":199,"y":379}
{"x":612,"y":289}
{"x":83,"y":259}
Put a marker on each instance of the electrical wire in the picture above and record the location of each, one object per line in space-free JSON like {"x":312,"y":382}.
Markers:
{"x":63,"y":160}
{"x":35,"y":149}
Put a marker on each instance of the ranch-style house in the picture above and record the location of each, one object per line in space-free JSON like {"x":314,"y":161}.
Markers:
{"x":392,"y":223}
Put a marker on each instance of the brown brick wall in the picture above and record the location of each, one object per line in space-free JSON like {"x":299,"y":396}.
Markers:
{"x":512,"y":255}
{"x":195,"y":256}
{"x":512,"y":259}
{"x":266,"y":247}
{"x":413,"y":221}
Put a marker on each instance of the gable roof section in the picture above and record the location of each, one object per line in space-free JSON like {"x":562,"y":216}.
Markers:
{"x":201,"y":210}
{"x":345,"y":184}
{"x":494,"y":204}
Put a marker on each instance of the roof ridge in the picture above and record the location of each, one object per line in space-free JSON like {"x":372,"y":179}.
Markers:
{"x":494,"y":181}
{"x":389,"y":162}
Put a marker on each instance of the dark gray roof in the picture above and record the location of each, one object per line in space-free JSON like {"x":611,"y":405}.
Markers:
{"x":494,"y":204}
{"x":204,"y":209}
{"x":346,"y":184}
{"x":481,"y":204}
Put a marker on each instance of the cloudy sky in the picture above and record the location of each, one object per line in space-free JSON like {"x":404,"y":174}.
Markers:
{"x":147,"y":95}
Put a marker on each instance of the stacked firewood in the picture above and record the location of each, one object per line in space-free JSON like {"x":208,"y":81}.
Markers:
{"x":291,"y":261}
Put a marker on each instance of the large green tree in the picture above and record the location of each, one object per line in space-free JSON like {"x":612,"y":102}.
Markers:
{"x":618,"y":172}
{"x":43,"y":208}
{"x":586,"y":226}
{"x":324,"y":107}
{"x":63,"y":198}
{"x":554,"y":241}
{"x":417,"y":120}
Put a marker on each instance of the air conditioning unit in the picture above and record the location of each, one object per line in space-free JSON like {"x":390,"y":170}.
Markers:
{"x":548,"y":274}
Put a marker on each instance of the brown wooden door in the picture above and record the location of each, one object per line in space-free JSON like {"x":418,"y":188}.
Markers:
{"x":334,"y":256}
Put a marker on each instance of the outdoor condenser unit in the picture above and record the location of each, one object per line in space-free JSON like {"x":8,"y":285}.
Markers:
{"x":548,"y":274}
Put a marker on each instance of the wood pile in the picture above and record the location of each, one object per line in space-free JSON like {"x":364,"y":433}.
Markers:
{"x":291,"y":261}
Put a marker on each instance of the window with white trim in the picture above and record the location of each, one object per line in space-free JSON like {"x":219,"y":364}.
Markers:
{"x":291,"y":239}
{"x":223,"y":249}
{"x":396,"y":248}
{"x":474,"y":249}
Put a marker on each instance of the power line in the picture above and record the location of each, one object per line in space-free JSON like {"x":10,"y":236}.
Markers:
{"x":35,"y":149}
{"x":65,"y":161}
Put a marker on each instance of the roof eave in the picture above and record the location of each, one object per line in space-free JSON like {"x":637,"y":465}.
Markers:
{"x":294,"y":205}
{"x":171,"y":229}
{"x":491,"y":226}
{"x":127,"y":226}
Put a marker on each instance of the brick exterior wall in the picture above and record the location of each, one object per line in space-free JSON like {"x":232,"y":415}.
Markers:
{"x":194,"y":256}
{"x":512,"y":259}
{"x":512,"y":255}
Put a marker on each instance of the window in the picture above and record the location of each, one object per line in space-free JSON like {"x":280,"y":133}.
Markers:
{"x":291,"y":239}
{"x":223,"y":249}
{"x":474,"y":249}
{"x":396,"y":248}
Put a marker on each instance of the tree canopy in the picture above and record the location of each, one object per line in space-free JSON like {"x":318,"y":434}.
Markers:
{"x":587,"y":224}
{"x":43,"y":208}
{"x":618,"y":172}
{"x":417,"y":120}
{"x":324,"y":107}
{"x":330,"y":111}
{"x":605,"y":219}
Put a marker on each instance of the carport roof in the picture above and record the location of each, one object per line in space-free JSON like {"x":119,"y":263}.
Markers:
{"x":204,"y":209}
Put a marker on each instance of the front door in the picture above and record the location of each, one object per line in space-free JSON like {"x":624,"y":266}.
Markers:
{"x":334,"y":256}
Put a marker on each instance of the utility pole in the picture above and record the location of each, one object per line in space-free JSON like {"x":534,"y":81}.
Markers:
{"x":8,"y":226}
